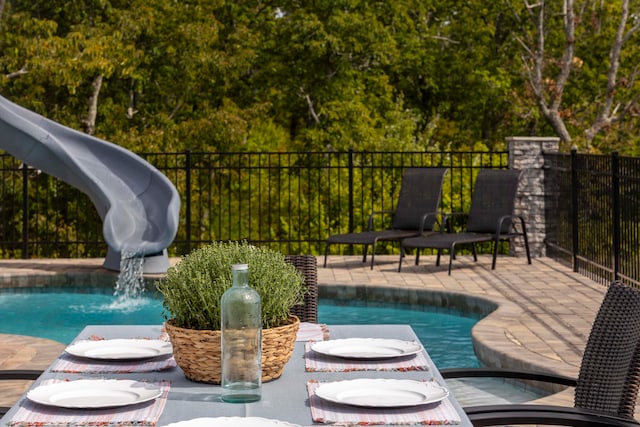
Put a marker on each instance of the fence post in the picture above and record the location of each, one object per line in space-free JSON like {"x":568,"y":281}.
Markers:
{"x":25,"y":211}
{"x":574,"y":207}
{"x":615,"y":175}
{"x":351,"y":213}
{"x":187,"y":200}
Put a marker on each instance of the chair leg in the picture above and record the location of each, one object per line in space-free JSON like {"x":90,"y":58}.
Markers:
{"x":438,"y":257}
{"x":452,"y":254}
{"x":326,"y":252}
{"x":418,"y":251}
{"x":496,"y":243}
{"x":373,"y":253}
{"x":401,"y":257}
{"x":526,"y":240}
{"x":475,"y":253}
{"x":364,"y":253}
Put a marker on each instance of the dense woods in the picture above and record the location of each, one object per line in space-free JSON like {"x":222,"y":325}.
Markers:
{"x":253,"y":75}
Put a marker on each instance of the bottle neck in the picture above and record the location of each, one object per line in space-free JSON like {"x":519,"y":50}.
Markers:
{"x":241,"y":278}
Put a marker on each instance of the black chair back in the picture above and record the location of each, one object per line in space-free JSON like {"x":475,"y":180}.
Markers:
{"x":610,"y":371}
{"x":420,"y":193}
{"x":494,"y":197}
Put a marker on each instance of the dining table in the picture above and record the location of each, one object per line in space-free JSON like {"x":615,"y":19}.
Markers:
{"x":290,"y":399}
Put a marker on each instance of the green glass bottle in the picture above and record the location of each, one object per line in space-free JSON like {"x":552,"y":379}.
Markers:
{"x":241,"y":329}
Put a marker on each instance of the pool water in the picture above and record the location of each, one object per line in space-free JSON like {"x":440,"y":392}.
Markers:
{"x":60,"y":314}
{"x":446,"y":334}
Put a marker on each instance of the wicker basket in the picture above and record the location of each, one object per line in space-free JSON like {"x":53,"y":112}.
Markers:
{"x":197,"y":352}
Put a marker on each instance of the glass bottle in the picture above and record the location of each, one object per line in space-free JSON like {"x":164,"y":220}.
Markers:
{"x":241,"y":330}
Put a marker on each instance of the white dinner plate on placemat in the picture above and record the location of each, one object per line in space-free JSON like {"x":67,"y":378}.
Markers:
{"x":367,"y":348}
{"x":231,"y":422}
{"x":382,"y":393}
{"x":94,"y":393}
{"x":120,"y":349}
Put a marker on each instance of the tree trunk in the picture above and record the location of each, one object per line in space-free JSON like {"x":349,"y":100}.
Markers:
{"x":548,"y":92}
{"x":90,"y":122}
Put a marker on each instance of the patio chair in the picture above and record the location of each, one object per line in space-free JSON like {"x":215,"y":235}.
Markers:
{"x":490,"y":219}
{"x":17,"y":374}
{"x":415,"y":213}
{"x":608,"y":381}
{"x":307,"y":265}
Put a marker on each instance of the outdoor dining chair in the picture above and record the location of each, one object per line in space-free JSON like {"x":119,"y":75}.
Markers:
{"x":490,"y":219}
{"x":416,"y":212}
{"x":607,"y":384}
{"x":307,"y":265}
{"x":17,"y":374}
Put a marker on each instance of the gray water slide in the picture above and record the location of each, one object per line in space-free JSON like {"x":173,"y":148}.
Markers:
{"x":138,"y":205}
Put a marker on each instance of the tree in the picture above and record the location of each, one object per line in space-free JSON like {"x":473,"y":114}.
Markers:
{"x":551,"y":34}
{"x":219,"y":75}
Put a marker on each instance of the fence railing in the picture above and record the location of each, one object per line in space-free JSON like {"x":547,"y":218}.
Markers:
{"x":289,"y":201}
{"x":593,"y":214}
{"x":293,"y":201}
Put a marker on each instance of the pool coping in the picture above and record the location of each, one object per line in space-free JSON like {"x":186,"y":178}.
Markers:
{"x":492,"y":346}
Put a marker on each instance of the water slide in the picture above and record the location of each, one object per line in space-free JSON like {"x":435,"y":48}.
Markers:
{"x":138,"y":205}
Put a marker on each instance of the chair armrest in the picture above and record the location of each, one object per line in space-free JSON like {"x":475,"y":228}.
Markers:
{"x":426,"y":216}
{"x":487,"y":415}
{"x":513,"y":231}
{"x":446,"y":219}
{"x":508,"y":373}
{"x":373,"y":214}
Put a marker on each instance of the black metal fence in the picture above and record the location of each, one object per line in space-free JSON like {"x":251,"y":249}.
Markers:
{"x":593,"y":214}
{"x":288,"y":201}
{"x":293,"y":201}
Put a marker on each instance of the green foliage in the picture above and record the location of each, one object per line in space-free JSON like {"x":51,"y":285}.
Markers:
{"x":193,"y":288}
{"x":245,"y":76}
{"x":215,"y":75}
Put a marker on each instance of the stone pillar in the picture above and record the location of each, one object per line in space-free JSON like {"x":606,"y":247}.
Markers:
{"x":526,"y":154}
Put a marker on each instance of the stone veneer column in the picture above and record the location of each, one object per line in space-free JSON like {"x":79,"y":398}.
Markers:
{"x":526,"y":154}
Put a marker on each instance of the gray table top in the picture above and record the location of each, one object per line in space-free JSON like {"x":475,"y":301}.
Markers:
{"x":284,"y":399}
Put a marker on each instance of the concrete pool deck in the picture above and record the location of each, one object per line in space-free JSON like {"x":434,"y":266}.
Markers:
{"x":544,"y":314}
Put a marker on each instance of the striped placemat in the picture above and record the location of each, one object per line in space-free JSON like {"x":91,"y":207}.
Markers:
{"x":317,"y":362}
{"x":76,"y":365}
{"x":312,"y":332}
{"x":322,"y":411}
{"x":30,"y":414}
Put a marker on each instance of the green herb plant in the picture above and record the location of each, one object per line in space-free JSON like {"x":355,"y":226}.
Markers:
{"x":192,"y":289}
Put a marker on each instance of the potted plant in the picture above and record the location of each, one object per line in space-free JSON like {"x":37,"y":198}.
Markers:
{"x":192,"y":290}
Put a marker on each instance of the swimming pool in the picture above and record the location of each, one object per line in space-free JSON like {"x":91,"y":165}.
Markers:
{"x":61,"y":313}
{"x":445,"y":333}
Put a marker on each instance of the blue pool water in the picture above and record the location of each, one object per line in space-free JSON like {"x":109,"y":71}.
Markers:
{"x":446,"y":334}
{"x":60,"y":314}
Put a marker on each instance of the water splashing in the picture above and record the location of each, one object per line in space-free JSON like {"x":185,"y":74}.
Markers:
{"x":130,"y":283}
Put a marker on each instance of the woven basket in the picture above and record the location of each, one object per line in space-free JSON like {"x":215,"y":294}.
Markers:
{"x":197,"y":352}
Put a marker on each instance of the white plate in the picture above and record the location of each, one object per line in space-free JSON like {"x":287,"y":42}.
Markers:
{"x":231,"y":422}
{"x":120,"y":349}
{"x":367,"y":348}
{"x":94,"y":393}
{"x":382,"y":393}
